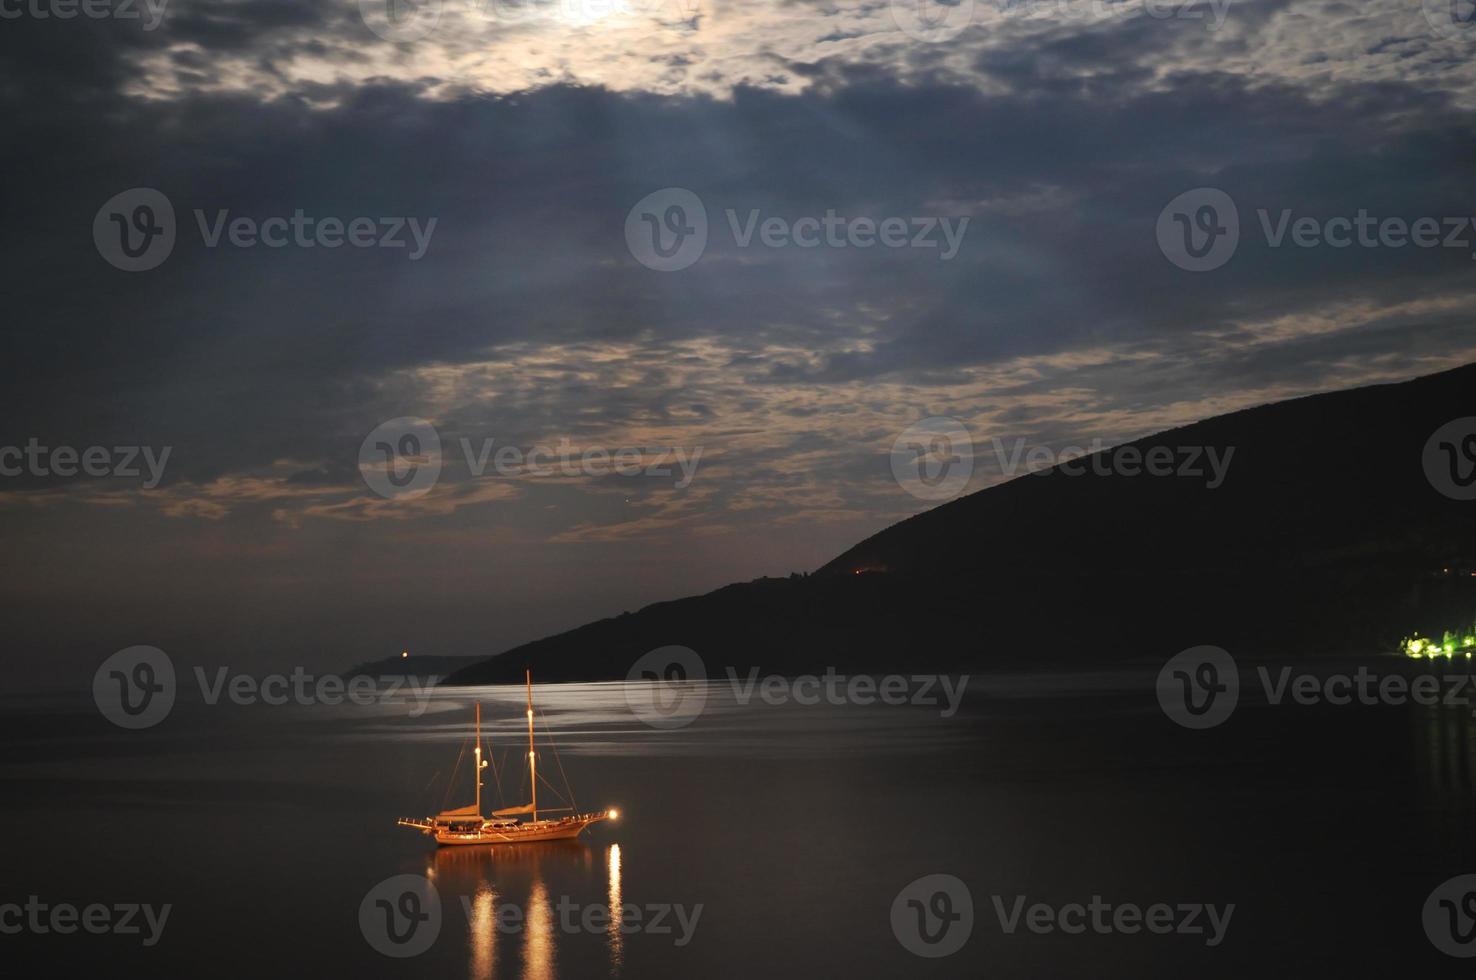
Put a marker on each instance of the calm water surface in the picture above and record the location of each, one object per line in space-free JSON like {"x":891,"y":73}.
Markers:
{"x":787,"y":831}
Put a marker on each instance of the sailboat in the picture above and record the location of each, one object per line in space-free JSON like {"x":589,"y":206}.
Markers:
{"x":467,"y":825}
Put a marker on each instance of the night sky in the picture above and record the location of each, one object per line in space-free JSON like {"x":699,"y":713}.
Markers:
{"x":1060,"y":131}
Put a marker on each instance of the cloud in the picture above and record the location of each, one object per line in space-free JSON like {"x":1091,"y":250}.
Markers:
{"x":1060,"y":134}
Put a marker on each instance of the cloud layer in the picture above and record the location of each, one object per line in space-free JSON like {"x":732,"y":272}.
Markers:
{"x":1060,"y":133}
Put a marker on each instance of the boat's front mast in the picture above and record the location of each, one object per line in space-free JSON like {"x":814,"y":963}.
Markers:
{"x":532,"y":759}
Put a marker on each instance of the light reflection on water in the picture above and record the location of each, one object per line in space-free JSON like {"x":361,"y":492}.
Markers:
{"x":1083,"y":787}
{"x":616,"y":939}
{"x":538,"y":933}
{"x":482,"y":932}
{"x":1447,"y":771}
{"x":510,"y":912}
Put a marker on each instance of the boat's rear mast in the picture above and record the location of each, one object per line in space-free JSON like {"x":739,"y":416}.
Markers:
{"x":477,"y":760}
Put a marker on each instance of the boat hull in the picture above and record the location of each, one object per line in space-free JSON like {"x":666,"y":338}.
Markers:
{"x":529,"y":833}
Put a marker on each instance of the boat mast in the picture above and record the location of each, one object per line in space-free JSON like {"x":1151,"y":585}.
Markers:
{"x":532,"y":760}
{"x":477,"y":760}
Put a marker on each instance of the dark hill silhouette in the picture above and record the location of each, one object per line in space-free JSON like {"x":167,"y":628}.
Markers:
{"x":1324,"y":538}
